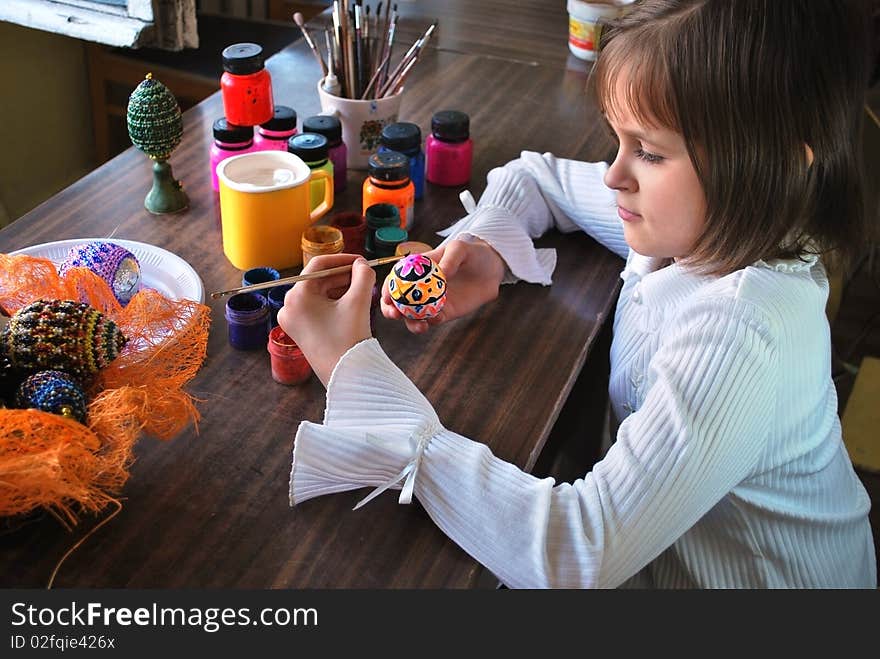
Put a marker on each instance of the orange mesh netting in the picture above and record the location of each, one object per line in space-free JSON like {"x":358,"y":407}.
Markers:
{"x":56,"y":463}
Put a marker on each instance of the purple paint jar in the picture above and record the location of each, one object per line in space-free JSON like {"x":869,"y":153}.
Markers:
{"x":229,"y":140}
{"x":273,"y":135}
{"x":331,"y":128}
{"x":275,"y":297}
{"x":449,"y":151}
{"x":247,"y":318}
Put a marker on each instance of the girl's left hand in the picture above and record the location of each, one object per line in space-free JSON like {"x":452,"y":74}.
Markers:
{"x":327,"y":316}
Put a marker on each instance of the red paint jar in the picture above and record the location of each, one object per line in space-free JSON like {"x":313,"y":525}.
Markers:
{"x":353,"y":226}
{"x":246,"y":86}
{"x":289,"y":365}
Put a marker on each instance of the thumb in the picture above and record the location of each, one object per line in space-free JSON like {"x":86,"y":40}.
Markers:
{"x":363,"y":277}
{"x":452,"y":258}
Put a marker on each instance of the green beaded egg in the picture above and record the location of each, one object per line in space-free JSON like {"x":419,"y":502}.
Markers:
{"x":61,"y":335}
{"x":154,"y":121}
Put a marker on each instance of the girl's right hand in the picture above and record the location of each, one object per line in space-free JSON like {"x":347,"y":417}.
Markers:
{"x":473,"y":275}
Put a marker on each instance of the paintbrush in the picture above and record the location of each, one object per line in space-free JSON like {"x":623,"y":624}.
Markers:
{"x":298,"y":19}
{"x":318,"y":274}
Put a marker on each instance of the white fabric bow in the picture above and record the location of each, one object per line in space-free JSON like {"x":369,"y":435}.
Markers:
{"x":419,"y":441}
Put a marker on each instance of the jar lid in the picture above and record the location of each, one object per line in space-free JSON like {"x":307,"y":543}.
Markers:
{"x":328,"y":126}
{"x":311,"y":147}
{"x":450,"y":126}
{"x":230,"y":133}
{"x":390,"y":237}
{"x":389,"y":166}
{"x":243,"y":58}
{"x":403,"y":137}
{"x":283,"y":119}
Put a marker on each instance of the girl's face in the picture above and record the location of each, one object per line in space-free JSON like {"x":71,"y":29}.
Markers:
{"x":659,"y":196}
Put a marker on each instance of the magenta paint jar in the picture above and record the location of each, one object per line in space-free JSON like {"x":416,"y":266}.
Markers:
{"x":273,"y":135}
{"x":229,"y":140}
{"x":449,"y":151}
{"x":247,"y":318}
{"x":331,"y":128}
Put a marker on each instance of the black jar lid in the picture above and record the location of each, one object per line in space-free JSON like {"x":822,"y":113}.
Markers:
{"x":283,"y":119}
{"x":403,"y":137}
{"x":326,"y":125}
{"x":389,"y":166}
{"x":230,"y":133}
{"x":243,"y":58}
{"x":311,"y":147}
{"x":450,"y":126}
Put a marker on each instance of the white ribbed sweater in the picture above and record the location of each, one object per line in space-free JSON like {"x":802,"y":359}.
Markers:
{"x":728,"y":468}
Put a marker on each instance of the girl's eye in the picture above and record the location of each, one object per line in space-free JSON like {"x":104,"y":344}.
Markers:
{"x":648,"y":157}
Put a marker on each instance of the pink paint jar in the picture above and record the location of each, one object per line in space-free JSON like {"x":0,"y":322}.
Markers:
{"x":229,"y":140}
{"x":289,"y":365}
{"x":449,"y":151}
{"x":273,"y":135}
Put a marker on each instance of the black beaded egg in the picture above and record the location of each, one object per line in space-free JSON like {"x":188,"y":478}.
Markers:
{"x":61,"y":335}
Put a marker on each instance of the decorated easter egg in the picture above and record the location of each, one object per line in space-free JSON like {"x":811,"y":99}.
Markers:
{"x":417,"y":287}
{"x":55,"y":392}
{"x":61,"y":335}
{"x":111,"y":262}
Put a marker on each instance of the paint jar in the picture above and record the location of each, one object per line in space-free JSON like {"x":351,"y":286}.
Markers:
{"x":259,"y":276}
{"x":412,"y":247}
{"x":378,"y":216}
{"x":449,"y":150}
{"x":389,"y":183}
{"x":406,"y":138}
{"x":247,"y":318}
{"x":319,"y":240}
{"x":312,"y":149}
{"x":353,"y":226}
{"x":229,"y":140}
{"x":246,"y":86}
{"x":386,"y":241}
{"x":275,"y":298}
{"x":331,"y":128}
{"x":273,"y":134}
{"x":585,"y":26}
{"x":289,"y":365}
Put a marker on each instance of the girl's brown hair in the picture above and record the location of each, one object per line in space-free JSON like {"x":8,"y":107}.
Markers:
{"x":748,"y":83}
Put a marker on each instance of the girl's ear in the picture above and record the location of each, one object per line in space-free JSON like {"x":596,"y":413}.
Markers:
{"x":809,"y":154}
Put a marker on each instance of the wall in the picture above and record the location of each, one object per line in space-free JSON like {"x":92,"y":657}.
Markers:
{"x":45,"y":117}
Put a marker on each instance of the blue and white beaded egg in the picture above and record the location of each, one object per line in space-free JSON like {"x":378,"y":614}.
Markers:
{"x":111,"y":262}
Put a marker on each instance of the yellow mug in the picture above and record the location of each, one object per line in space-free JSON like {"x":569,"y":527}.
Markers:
{"x":265,"y":203}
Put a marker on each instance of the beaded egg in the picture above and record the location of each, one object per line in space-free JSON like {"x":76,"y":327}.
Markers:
{"x":417,"y":287}
{"x":111,"y":262}
{"x":55,"y":392}
{"x":61,"y":335}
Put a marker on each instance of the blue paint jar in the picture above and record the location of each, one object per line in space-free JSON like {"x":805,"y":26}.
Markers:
{"x":275,"y":298}
{"x":260,"y":276}
{"x":406,"y":138}
{"x":247,"y":318}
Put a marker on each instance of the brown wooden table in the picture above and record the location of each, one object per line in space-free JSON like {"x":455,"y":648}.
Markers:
{"x":210,"y":508}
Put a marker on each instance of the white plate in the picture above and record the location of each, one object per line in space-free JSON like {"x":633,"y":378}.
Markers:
{"x":160,"y":269}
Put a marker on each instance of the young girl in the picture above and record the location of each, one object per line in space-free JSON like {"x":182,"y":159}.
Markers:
{"x":738,"y":129}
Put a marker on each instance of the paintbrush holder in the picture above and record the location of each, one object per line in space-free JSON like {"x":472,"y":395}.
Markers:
{"x":362,"y":122}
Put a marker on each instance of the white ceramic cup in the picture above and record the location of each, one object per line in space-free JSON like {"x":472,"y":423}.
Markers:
{"x":362,"y":122}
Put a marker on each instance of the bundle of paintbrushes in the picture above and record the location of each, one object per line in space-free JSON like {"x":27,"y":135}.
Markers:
{"x":360,"y":50}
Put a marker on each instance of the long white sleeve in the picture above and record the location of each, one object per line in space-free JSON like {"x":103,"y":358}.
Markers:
{"x":728,"y":469}
{"x":532,"y":194}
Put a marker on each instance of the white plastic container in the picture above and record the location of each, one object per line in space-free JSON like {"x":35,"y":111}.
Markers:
{"x":583,"y":26}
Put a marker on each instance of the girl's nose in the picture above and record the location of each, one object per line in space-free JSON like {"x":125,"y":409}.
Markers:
{"x":618,"y":176}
